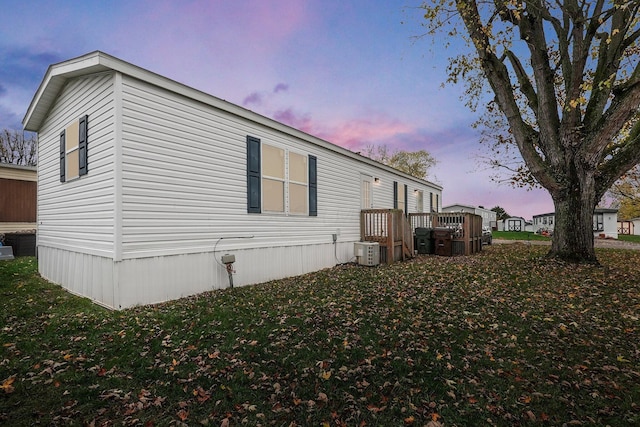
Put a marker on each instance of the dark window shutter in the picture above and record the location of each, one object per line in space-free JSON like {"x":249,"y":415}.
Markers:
{"x":395,"y":195}
{"x":253,"y":175}
{"x":63,"y":149}
{"x":313,"y":186}
{"x":82,"y":145}
{"x":406,"y":201}
{"x":437,"y":202}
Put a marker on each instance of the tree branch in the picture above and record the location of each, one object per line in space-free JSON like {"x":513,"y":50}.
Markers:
{"x":498,"y":77}
{"x":627,"y":157}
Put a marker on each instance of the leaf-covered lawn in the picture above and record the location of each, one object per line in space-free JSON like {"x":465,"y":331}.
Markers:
{"x":503,"y":337}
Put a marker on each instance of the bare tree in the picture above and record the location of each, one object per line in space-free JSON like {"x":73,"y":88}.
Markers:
{"x":16,"y":149}
{"x":565,"y":80}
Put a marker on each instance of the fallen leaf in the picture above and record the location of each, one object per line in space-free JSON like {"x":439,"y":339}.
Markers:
{"x":183,"y":415}
{"x":7,"y":385}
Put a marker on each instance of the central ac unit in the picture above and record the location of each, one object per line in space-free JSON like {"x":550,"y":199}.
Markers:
{"x":367,"y":253}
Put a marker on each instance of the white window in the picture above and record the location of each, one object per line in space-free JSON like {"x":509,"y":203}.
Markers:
{"x":285,"y":181}
{"x":73,"y":150}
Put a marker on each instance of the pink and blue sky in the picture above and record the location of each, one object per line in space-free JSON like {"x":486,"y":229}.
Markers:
{"x":349,"y":71}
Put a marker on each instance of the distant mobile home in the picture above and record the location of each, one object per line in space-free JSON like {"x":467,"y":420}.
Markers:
{"x":488,"y":216}
{"x":605,"y":222}
{"x":635,"y":226}
{"x":145,"y":183}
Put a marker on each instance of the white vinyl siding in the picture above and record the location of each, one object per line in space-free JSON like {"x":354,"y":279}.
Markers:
{"x":78,"y":215}
{"x":184,"y":181}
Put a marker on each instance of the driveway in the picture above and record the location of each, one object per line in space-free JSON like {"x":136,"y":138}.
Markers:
{"x":599,"y":243}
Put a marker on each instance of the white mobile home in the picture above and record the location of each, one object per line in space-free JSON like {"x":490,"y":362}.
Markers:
{"x":635,"y":226}
{"x":605,"y":222}
{"x":488,"y":216}
{"x":144,"y":184}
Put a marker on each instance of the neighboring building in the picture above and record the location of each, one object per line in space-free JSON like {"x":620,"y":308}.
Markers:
{"x":514,"y":223}
{"x":18,"y":186}
{"x":144,"y":184}
{"x":488,"y":216}
{"x":605,"y":222}
{"x":635,"y":226}
{"x":626,"y":227}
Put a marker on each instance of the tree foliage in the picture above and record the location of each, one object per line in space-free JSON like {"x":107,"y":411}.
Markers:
{"x":500,"y":213}
{"x":414,"y":163}
{"x":626,"y":193}
{"x":17,"y":149}
{"x":565,"y":80}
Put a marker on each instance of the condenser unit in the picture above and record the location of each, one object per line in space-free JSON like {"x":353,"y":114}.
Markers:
{"x":367,"y":253}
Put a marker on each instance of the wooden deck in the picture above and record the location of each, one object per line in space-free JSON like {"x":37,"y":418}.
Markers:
{"x":391,"y":230}
{"x":395,"y":232}
{"x":466,"y":229}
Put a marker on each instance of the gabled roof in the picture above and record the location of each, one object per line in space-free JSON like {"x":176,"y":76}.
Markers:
{"x":459,"y":204}
{"x":466,"y":206}
{"x":95,"y":62}
{"x":596,"y":210}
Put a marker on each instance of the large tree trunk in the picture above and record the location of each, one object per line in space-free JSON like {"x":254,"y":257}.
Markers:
{"x":573,"y":231}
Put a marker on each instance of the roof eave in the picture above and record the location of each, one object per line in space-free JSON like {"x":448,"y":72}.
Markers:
{"x":53,"y":80}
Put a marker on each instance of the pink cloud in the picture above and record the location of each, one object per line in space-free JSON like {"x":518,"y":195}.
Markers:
{"x":299,"y":121}
{"x":373,"y":129}
{"x":281,"y":87}
{"x":253,"y":98}
{"x":353,"y":134}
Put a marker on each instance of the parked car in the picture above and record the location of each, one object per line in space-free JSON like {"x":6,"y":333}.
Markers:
{"x":487,"y":236}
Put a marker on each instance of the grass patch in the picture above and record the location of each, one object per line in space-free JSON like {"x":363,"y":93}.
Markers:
{"x":629,"y":238}
{"x":519,"y":235}
{"x":503,"y":337}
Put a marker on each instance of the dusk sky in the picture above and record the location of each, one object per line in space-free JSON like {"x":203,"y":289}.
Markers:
{"x":349,"y":71}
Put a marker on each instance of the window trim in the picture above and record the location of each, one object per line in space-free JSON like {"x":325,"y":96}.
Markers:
{"x":81,"y":149}
{"x":255,"y":177}
{"x":598,"y":221}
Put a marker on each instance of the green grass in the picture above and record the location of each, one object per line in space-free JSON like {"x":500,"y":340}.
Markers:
{"x":504,"y":337}
{"x":519,"y":235}
{"x":629,"y":238}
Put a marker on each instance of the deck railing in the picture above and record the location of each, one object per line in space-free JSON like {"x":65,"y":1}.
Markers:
{"x":391,"y":230}
{"x":466,"y":229}
{"x":395,"y":232}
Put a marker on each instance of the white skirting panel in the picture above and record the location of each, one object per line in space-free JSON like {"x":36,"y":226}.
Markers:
{"x":157,"y":279}
{"x":87,"y":275}
{"x":151,"y":280}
